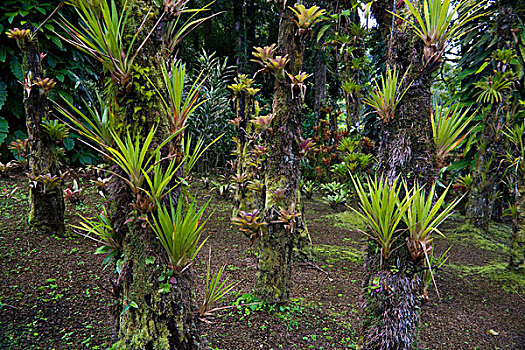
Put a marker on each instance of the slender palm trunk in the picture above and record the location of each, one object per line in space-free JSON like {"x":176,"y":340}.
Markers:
{"x":517,"y":249}
{"x":244,"y":198}
{"x":320,"y":84}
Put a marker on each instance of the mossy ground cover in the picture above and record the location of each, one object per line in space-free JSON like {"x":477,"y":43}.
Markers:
{"x":55,"y":292}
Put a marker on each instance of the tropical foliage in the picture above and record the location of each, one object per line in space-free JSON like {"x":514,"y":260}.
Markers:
{"x":448,"y":128}
{"x":179,"y":232}
{"x":388,"y":94}
{"x":438,"y":23}
{"x":382,"y":208}
{"x":423,"y":216}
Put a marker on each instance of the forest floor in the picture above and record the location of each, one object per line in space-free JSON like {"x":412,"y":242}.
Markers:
{"x":54,"y":292}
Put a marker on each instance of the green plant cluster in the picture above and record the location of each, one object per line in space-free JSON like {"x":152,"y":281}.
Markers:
{"x":390,"y":208}
{"x":72,"y":70}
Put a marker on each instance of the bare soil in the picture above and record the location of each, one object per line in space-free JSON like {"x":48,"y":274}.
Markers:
{"x":54,"y":292}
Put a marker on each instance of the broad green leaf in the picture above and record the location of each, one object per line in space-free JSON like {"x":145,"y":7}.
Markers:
{"x":482,"y":67}
{"x":4,"y":128}
{"x":16,"y":68}
{"x":3,"y":93}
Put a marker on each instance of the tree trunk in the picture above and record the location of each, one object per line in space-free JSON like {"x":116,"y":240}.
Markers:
{"x":487,"y":186}
{"x":320,"y":84}
{"x":479,"y":212}
{"x":244,"y":198}
{"x":46,"y":206}
{"x":407,"y":147}
{"x":517,"y":249}
{"x":392,"y":288}
{"x":238,"y":15}
{"x":350,"y":72}
{"x":250,"y":28}
{"x":161,"y":319}
{"x":391,"y":301}
{"x":275,"y":250}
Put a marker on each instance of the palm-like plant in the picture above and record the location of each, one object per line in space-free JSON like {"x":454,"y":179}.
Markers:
{"x":180,"y":105}
{"x":448,"y":126}
{"x":132,"y":155}
{"x":161,"y":177}
{"x":436,"y":262}
{"x":516,"y":159}
{"x":102,"y":36}
{"x":96,"y":125}
{"x":55,"y":130}
{"x":262,"y":55}
{"x":179,"y":233}
{"x":192,"y":153}
{"x":306,"y":18}
{"x":299,"y":80}
{"x":215,"y":289}
{"x":350,"y":86}
{"x":423,"y":217}
{"x":101,"y":231}
{"x":382,"y":210}
{"x":387,"y":95}
{"x":250,"y":223}
{"x":174,"y":32}
{"x":491,"y":87}
{"x":438,"y":23}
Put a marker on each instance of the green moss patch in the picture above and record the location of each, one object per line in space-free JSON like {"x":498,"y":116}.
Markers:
{"x":497,"y":240}
{"x":510,"y":281}
{"x":334,"y":253}
{"x":348,"y":220}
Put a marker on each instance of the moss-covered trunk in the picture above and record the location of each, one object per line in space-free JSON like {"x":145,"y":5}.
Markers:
{"x":245,"y":199}
{"x":486,"y":200}
{"x":517,"y":249}
{"x":46,"y":205}
{"x":149,"y":313}
{"x":487,"y":174}
{"x":406,"y":144}
{"x":159,"y":318}
{"x":392,"y":289}
{"x":320,"y":84}
{"x":276,"y":246}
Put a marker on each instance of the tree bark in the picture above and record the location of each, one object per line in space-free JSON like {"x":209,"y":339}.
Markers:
{"x":161,"y":320}
{"x":392,"y":300}
{"x":320,"y":84}
{"x":276,"y":246}
{"x":46,"y":206}
{"x":517,"y":248}
{"x":240,"y":53}
{"x":486,"y":195}
{"x":245,"y":199}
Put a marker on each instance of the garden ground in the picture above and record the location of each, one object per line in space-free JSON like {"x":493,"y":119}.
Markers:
{"x":54,"y":292}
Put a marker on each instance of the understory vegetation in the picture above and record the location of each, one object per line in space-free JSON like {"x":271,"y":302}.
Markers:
{"x":285,"y":174}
